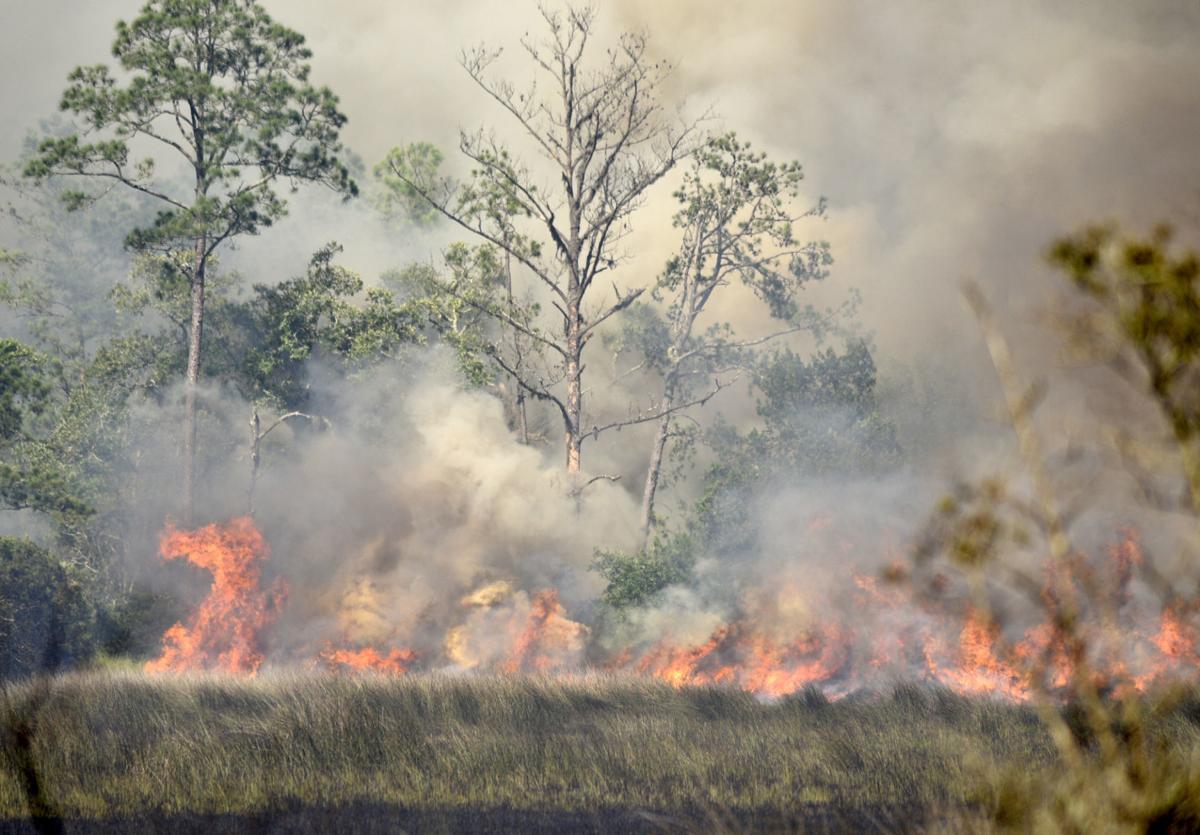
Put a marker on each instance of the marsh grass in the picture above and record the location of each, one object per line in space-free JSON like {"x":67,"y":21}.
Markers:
{"x":117,"y":750}
{"x":117,"y":744}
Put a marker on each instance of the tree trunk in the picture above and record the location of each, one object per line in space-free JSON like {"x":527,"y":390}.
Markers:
{"x":574,"y":368}
{"x":522,"y":416}
{"x":255,"y":442}
{"x":574,"y":437}
{"x":653,"y":473}
{"x":195,"y":340}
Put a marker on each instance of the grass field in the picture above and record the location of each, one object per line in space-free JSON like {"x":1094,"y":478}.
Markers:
{"x":119,"y":751}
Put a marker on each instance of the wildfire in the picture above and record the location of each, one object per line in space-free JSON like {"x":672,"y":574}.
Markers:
{"x":1043,"y":647}
{"x":1176,"y":646}
{"x":368,"y":659}
{"x":779,"y":644}
{"x":751,"y":660}
{"x":1175,"y":638}
{"x":978,"y":668}
{"x":223,"y":633}
{"x":547,"y":636}
{"x":506,"y":630}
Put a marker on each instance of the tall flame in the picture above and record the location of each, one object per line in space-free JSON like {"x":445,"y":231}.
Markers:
{"x":224,"y":631}
{"x":978,"y":668}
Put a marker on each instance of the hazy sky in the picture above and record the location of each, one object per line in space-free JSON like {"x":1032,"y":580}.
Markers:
{"x":951,"y":138}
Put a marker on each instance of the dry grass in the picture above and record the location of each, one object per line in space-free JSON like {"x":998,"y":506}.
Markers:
{"x":118,"y":745}
{"x":120,"y":751}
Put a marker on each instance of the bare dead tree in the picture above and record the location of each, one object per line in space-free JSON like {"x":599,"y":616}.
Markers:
{"x":605,"y":135}
{"x":257,"y":434}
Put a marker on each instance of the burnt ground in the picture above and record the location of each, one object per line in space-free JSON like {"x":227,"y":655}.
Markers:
{"x":378,"y":819}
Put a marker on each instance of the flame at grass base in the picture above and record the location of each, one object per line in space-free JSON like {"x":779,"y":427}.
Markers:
{"x":740,"y":656}
{"x":776,"y":645}
{"x":224,"y":632}
{"x":368,"y":659}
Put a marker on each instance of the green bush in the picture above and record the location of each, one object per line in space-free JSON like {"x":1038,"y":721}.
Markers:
{"x":633,"y":579}
{"x":47,"y":621}
{"x":133,"y":625}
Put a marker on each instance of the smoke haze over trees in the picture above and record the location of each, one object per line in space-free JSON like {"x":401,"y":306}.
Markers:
{"x":692,"y":400}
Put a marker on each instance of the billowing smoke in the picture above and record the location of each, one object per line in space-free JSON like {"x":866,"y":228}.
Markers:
{"x":951,"y":142}
{"x":404,"y":535}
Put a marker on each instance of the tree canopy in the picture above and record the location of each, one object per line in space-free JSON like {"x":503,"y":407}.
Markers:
{"x":222,"y":91}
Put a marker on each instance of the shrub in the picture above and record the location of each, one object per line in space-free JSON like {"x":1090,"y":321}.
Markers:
{"x":46,"y":618}
{"x":633,"y":579}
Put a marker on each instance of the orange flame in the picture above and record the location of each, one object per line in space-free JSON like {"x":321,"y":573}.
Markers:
{"x":1177,"y":645}
{"x":547,"y":637}
{"x":752,"y":660}
{"x":1043,"y":650}
{"x":1175,"y":639}
{"x":1125,"y":557}
{"x":777,"y":646}
{"x":979,"y":668}
{"x":368,"y":659}
{"x":223,"y":633}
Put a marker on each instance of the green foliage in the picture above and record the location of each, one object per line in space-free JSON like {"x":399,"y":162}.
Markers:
{"x":819,"y":418}
{"x":31,"y":475}
{"x":1150,"y":298}
{"x":465,"y":307}
{"x":46,"y":618}
{"x":133,"y":625}
{"x":318,"y":314}
{"x":219,"y":84}
{"x":737,"y":223}
{"x":496,"y":198}
{"x":22,"y":389}
{"x":72,"y":458}
{"x":738,"y":219}
{"x":396,"y":173}
{"x":822,"y":416}
{"x":58,"y":284}
{"x":635,"y":579}
{"x":222,"y":88}
{"x":645,"y":334}
{"x":262,"y":339}
{"x":76,"y":461}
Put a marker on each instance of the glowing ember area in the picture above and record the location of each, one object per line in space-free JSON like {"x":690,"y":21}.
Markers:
{"x":739,"y":656}
{"x":368,"y":659}
{"x":224,"y":632}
